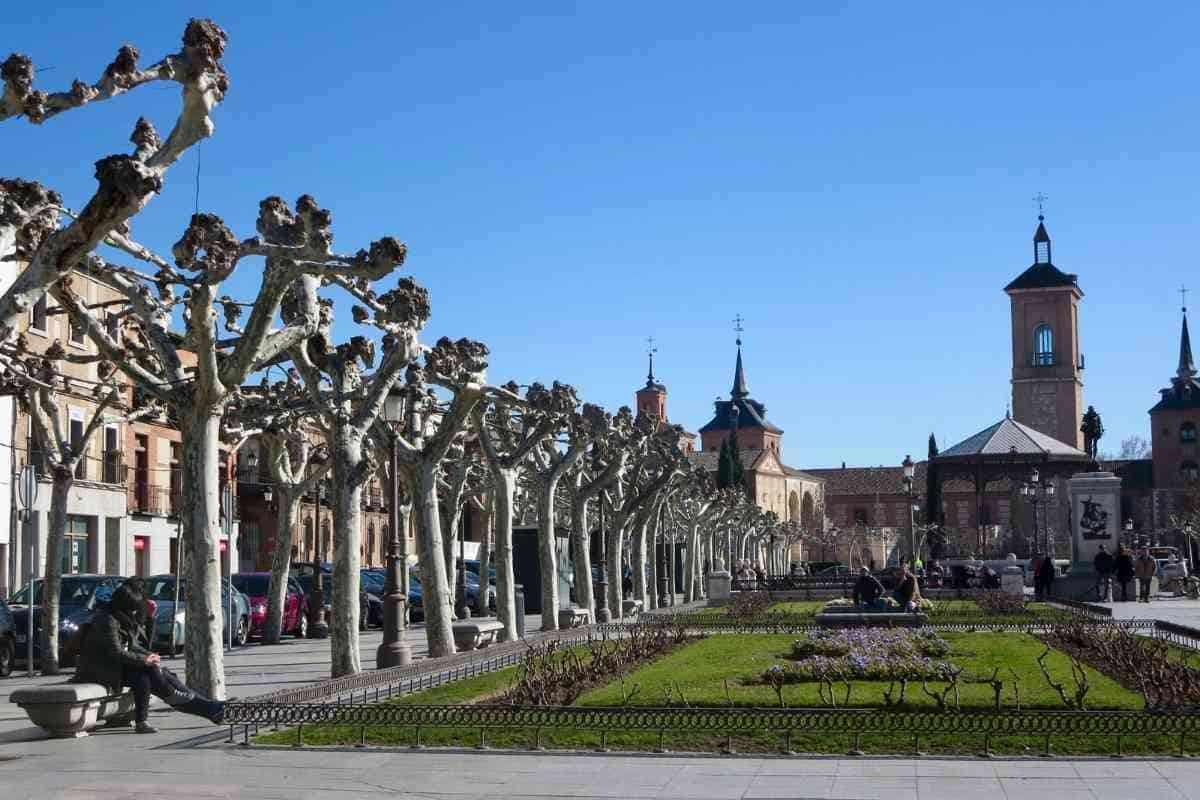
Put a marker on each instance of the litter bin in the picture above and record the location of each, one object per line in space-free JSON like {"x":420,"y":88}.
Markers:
{"x":519,"y":592}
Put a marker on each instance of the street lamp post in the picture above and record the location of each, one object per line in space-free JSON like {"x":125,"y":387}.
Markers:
{"x":909,"y":471}
{"x":603,"y":614}
{"x":1038,"y":491}
{"x":394,"y":651}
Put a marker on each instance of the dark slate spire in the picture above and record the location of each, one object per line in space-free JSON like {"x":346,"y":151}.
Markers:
{"x":740,"y":391}
{"x":1187,"y":366}
{"x":1041,"y":243}
{"x":650,"y":351}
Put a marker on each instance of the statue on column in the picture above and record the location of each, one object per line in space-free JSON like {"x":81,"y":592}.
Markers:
{"x":1092,"y":430}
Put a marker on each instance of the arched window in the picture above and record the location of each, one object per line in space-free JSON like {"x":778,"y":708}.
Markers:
{"x":309,"y":544}
{"x":1187,"y":432}
{"x":1190,"y":471}
{"x":326,"y":542}
{"x":1043,"y":346}
{"x":371,"y":545}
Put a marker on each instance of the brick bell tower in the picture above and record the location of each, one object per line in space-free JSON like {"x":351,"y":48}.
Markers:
{"x":1047,"y":365}
{"x":652,"y":398}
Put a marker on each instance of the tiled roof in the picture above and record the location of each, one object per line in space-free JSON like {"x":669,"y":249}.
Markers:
{"x":1043,"y":276}
{"x":751,"y":414}
{"x":1009,"y":436}
{"x":1183,"y":395}
{"x":867,"y":480}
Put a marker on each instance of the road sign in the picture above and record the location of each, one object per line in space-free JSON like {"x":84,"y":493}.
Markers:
{"x":27,"y":487}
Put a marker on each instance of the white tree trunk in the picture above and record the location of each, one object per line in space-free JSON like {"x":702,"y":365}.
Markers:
{"x":485,"y":556}
{"x":615,"y":577}
{"x":281,"y":562}
{"x":503,"y":491}
{"x":581,"y":546}
{"x":347,"y":560}
{"x":64,"y":478}
{"x":449,"y":538}
{"x":438,"y":631}
{"x":547,"y":555}
{"x":204,"y":645}
{"x":652,"y":543}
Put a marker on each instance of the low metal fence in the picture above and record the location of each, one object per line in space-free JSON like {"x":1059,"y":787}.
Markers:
{"x":783,"y":723}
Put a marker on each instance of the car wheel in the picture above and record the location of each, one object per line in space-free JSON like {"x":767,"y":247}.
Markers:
{"x":243,"y":633}
{"x":8,"y":650}
{"x":301,"y":631}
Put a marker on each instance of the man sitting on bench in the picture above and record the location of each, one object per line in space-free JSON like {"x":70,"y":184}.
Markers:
{"x":111,"y":654}
{"x":867,"y":589}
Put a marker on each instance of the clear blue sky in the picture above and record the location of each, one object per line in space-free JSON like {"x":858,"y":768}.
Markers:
{"x":854,"y":179}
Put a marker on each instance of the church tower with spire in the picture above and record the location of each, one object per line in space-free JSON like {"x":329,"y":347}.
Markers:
{"x":1174,"y":422}
{"x":740,"y":414}
{"x":1047,"y":363}
{"x":652,"y":398}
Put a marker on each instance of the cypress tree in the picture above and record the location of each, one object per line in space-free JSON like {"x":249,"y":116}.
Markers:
{"x":724,"y":466}
{"x":933,"y":487}
{"x":738,"y":474}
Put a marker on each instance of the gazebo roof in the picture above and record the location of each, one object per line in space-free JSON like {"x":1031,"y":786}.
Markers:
{"x":1008,"y":438}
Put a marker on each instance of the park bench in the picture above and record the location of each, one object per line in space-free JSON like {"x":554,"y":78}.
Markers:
{"x":631,"y":608}
{"x":573,"y":617}
{"x":70,"y":710}
{"x":475,"y":634}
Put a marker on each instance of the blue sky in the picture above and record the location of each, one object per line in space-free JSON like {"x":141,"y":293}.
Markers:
{"x":854,"y":179}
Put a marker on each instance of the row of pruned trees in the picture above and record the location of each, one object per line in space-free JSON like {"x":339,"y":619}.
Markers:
{"x":381,"y":404}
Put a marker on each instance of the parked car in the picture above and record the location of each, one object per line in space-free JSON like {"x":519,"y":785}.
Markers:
{"x":370,"y":605}
{"x":379,"y":578}
{"x":8,"y":640}
{"x":77,"y":599}
{"x":161,"y":589}
{"x":256,"y":585}
{"x":833,"y":571}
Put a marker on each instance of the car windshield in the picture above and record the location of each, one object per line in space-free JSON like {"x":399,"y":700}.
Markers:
{"x":74,"y":592}
{"x":163,"y":590}
{"x":253,"y":585}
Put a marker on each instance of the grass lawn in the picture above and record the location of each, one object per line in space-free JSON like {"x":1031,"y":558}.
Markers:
{"x":700,"y":669}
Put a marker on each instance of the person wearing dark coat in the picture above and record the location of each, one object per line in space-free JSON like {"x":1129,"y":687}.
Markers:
{"x":867,"y":589}
{"x":111,"y":653}
{"x":1104,"y":565}
{"x":1043,"y":579}
{"x":1124,"y":571}
{"x":906,"y":592}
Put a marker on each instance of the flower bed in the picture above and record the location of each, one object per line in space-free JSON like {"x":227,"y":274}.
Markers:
{"x":866,"y":653}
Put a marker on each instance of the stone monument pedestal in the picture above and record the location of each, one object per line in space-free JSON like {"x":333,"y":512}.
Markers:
{"x":719,"y":584}
{"x":1095,"y":516}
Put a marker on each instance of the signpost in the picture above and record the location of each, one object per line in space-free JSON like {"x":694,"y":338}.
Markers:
{"x":27,"y":492}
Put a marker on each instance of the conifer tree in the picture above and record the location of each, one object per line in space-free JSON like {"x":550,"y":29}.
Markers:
{"x":724,"y":466}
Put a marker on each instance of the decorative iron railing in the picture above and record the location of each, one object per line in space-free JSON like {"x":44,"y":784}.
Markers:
{"x":726,"y":722}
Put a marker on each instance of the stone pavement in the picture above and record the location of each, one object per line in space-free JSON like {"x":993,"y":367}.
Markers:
{"x":1180,"y":610}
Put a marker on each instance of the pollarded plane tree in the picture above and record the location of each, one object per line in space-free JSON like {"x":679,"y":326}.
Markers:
{"x":696,"y":501}
{"x":655,"y":459}
{"x":462,"y":476}
{"x":551,"y":462}
{"x":422,"y":446}
{"x":293,"y":451}
{"x":595,"y":472}
{"x":509,"y":428}
{"x":31,"y":216}
{"x":349,"y":398}
{"x":46,"y":394}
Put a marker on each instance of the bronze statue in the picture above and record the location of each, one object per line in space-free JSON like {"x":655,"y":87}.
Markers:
{"x":1092,"y":430}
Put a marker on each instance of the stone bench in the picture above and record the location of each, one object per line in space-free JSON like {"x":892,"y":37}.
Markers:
{"x":631,"y":608}
{"x":70,"y":710}
{"x":871,"y":619}
{"x":573,"y":617}
{"x":475,"y":634}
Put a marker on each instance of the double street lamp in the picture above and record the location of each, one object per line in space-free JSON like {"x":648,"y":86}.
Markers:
{"x":910,"y":469}
{"x":1038,"y":491}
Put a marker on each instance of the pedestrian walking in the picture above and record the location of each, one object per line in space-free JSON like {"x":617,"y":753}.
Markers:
{"x":1104,"y":564}
{"x":1145,"y":569}
{"x":1124,"y":571}
{"x":1043,"y":579}
{"x":111,"y":653}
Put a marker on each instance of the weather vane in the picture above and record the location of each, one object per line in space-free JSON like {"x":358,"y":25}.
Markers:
{"x":650,"y":351}
{"x":1183,"y":290}
{"x":738,"y":329}
{"x":1040,"y":199}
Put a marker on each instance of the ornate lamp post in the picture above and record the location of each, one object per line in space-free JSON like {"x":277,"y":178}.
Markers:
{"x":394,"y":651}
{"x":1038,"y":491}
{"x":909,"y":471}
{"x":603,"y":614}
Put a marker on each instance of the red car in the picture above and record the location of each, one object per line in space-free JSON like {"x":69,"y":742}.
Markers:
{"x":295,"y":608}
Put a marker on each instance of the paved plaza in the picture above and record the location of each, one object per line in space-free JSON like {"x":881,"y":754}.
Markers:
{"x":189,"y":758}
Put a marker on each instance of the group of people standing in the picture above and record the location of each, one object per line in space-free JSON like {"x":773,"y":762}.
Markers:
{"x":1124,"y":568}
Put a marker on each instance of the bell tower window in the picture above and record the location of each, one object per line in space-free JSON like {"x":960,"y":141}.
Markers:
{"x":1043,"y":346}
{"x":1187,"y":433}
